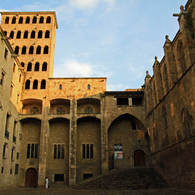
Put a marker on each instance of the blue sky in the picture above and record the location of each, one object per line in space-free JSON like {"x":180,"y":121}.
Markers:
{"x":117,"y":39}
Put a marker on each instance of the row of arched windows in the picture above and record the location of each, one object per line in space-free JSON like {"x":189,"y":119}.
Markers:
{"x":35,"y":84}
{"x":36,"y":67}
{"x":27,"y":20}
{"x":26,"y":34}
{"x":31,"y":50}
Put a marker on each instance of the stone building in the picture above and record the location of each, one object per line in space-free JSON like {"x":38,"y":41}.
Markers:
{"x":71,"y":129}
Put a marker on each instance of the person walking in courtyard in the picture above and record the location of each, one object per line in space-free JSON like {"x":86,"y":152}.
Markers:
{"x":46,"y":182}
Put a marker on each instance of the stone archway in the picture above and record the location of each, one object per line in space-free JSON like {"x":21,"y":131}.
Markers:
{"x":139,"y":158}
{"x":31,"y":178}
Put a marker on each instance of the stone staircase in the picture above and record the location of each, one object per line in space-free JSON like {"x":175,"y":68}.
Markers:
{"x":136,"y":178}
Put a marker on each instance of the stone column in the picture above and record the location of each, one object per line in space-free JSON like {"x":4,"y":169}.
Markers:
{"x":72,"y":142}
{"x":43,"y":144}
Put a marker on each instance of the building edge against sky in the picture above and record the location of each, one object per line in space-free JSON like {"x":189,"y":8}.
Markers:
{"x":70,"y":129}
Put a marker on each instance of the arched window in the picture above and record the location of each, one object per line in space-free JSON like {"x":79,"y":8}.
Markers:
{"x":35,"y":84}
{"x":164,"y":114}
{"x":88,"y":86}
{"x":31,"y":50}
{"x":14,"y":20}
{"x":7,"y":20}
{"x":32,"y":36}
{"x":27,"y":20}
{"x":47,"y":33}
{"x":46,"y":50}
{"x":22,"y":64}
{"x":40,"y":34}
{"x":44,"y":66}
{"x":29,"y":67}
{"x":18,"y":35}
{"x":36,"y":66}
{"x":41,"y":20}
{"x":38,"y":50}
{"x":48,"y":19}
{"x":34,"y":20}
{"x":27,"y":84}
{"x":186,"y":120}
{"x":60,"y":86}
{"x":133,"y":126}
{"x":11,"y":34}
{"x":20,"y":20}
{"x":16,"y":50}
{"x":5,"y":33}
{"x":24,"y":50}
{"x":25,"y":35}
{"x":43,"y":84}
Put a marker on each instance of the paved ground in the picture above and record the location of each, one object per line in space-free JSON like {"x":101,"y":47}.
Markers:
{"x":70,"y":191}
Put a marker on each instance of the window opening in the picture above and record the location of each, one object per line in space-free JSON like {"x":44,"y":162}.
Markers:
{"x":44,"y":66}
{"x":34,"y":20}
{"x":22,"y":64}
{"x":24,"y":50}
{"x":32,"y":150}
{"x":2,"y":78}
{"x":59,"y":151}
{"x":29,"y":67}
{"x":87,"y":176}
{"x":16,"y":50}
{"x":31,"y":50}
{"x":27,"y":84}
{"x":46,"y":50}
{"x":38,"y":50}
{"x":88,"y":86}
{"x":20,"y":20}
{"x":11,"y":34}
{"x":87,"y":151}
{"x":13,"y":20}
{"x":60,"y":86}
{"x":43,"y":84}
{"x":40,"y":34}
{"x":47,"y":33}
{"x":36,"y":66}
{"x":59,"y":177}
{"x":122,"y":101}
{"x":41,"y":20}
{"x":35,"y":84}
{"x":32,"y":34}
{"x":133,"y":126}
{"x":7,"y":20}
{"x":136,"y":101}
{"x":18,"y":36}
{"x":6,"y":53}
{"x":27,"y":20}
{"x":16,"y":169}
{"x":5,"y":33}
{"x":25,"y":35}
{"x":48,"y":19}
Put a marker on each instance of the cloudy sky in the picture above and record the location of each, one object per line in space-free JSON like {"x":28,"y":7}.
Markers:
{"x":117,"y":39}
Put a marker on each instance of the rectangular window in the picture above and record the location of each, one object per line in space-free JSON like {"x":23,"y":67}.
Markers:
{"x":137,"y":101}
{"x":87,"y":151}
{"x":122,"y":101}
{"x":18,"y":155}
{"x":16,"y":169}
{"x":6,"y":53}
{"x":59,"y":151}
{"x":14,"y":131}
{"x":2,"y":169}
{"x":10,"y":171}
{"x":20,"y":78}
{"x":2,"y":78}
{"x":7,"y":126}
{"x":59,"y":177}
{"x":28,"y":151}
{"x":12,"y":153}
{"x":4,"y":150}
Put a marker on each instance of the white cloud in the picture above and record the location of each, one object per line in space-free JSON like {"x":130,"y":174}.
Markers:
{"x":118,"y":87}
{"x":72,"y":68}
{"x":137,"y":71}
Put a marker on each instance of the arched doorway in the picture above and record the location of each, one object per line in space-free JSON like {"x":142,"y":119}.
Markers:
{"x":31,"y":178}
{"x":139,"y":158}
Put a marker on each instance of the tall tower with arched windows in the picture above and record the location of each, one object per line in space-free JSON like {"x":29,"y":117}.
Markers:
{"x":32,"y":37}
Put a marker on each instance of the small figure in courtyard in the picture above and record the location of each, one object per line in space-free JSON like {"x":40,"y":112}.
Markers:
{"x":46,"y":182}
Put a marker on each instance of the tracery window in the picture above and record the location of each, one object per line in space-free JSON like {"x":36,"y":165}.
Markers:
{"x":59,"y":151}
{"x":60,"y":110}
{"x":88,"y":110}
{"x":34,"y":110}
{"x":32,"y":150}
{"x":87,"y":151}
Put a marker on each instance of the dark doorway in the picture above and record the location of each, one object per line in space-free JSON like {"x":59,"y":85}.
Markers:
{"x":139,"y":158}
{"x":31,"y":178}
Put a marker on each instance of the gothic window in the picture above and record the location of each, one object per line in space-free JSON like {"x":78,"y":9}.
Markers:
{"x":46,"y":50}
{"x":186,"y":122}
{"x":164,"y":114}
{"x":59,"y":151}
{"x":60,"y":110}
{"x":14,"y":20}
{"x":88,"y":110}
{"x":34,"y":110}
{"x":11,"y":34}
{"x":35,"y":84}
{"x":16,"y":50}
{"x":29,"y":67}
{"x":18,"y":36}
{"x":87,"y":151}
{"x":41,"y":20}
{"x":25,"y":35}
{"x":32,"y":150}
{"x":34,"y":20}
{"x":7,"y":20}
{"x":36,"y":66}
{"x":44,"y":66}
{"x":20,"y":20}
{"x":38,"y":50}
{"x":43,"y":84}
{"x":47,"y":33}
{"x":27,"y":20}
{"x":24,"y":50}
{"x":27,"y":84}
{"x":31,"y":50}
{"x":40,"y":34}
{"x":48,"y":19}
{"x":32,"y":36}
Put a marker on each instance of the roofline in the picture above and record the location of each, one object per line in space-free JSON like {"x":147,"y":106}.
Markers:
{"x":36,"y":12}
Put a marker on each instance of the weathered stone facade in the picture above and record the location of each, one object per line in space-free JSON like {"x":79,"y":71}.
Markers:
{"x":70,"y":129}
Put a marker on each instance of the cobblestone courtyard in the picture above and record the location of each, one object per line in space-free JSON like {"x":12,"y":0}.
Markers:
{"x":70,"y":191}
